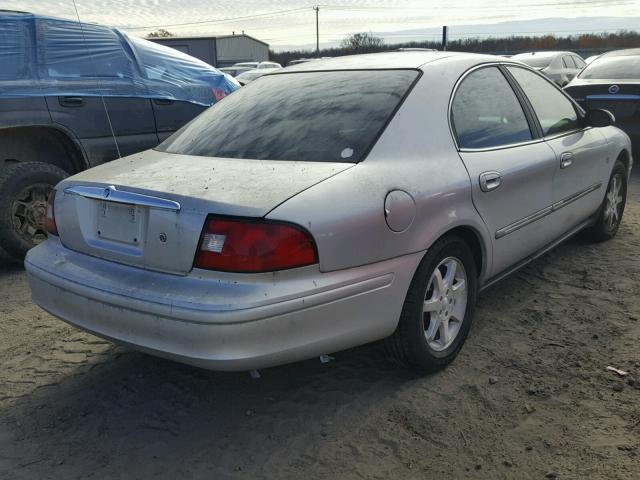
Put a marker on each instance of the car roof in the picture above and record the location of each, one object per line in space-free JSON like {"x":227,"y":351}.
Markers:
{"x":622,"y":53}
{"x":542,"y":54}
{"x":384,"y":60}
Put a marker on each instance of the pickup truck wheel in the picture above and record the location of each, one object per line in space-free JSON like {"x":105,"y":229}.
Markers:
{"x":24,"y":189}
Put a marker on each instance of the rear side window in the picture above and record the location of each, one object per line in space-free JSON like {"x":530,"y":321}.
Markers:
{"x":14,"y":50}
{"x":555,"y":112}
{"x":72,"y":50}
{"x":579,"y":62}
{"x":307,"y":116}
{"x":567,"y":61}
{"x":486,"y":112}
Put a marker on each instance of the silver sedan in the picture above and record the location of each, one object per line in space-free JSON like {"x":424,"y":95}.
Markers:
{"x":328,"y":205}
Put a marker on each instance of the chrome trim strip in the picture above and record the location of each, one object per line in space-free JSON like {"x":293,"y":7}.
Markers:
{"x":500,"y":147}
{"x":613,"y":97}
{"x":111,"y":194}
{"x":505,"y":273}
{"x":523,"y":222}
{"x":566,"y":201}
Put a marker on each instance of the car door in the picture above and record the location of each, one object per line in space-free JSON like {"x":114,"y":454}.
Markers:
{"x":511,"y":170}
{"x":580,"y":152}
{"x":91,"y":91}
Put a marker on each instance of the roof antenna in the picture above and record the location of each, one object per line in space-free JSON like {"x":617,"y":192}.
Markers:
{"x":106,"y":110}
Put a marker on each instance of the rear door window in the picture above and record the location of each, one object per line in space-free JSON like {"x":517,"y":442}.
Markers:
{"x":486,"y":112}
{"x":306,"y":116}
{"x":72,"y":51}
{"x":555,"y":112}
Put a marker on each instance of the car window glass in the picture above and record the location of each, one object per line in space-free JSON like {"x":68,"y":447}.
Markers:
{"x":14,"y":52}
{"x":613,"y":67}
{"x":308,"y":116}
{"x":99,"y":47}
{"x":579,"y":62}
{"x":486,"y":112}
{"x":568,"y":62}
{"x":555,"y":112}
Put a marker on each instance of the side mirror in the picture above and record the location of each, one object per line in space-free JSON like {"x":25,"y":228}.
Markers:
{"x":599,"y":118}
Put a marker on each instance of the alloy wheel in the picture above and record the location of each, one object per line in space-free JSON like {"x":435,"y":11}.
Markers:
{"x":445,"y":303}
{"x":614,"y":202}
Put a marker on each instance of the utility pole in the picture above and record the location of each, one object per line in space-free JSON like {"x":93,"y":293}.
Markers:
{"x":445,"y":37}
{"x":317,"y":9}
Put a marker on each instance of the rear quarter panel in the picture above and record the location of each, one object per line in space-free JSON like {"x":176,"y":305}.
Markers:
{"x":416,"y":154}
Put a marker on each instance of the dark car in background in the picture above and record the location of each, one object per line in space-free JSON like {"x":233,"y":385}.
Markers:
{"x":561,"y":67}
{"x":75,"y":95}
{"x":612,"y":82}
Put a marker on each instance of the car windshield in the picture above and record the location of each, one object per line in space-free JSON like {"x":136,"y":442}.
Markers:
{"x":613,"y":68}
{"x":536,"y":61}
{"x":307,"y":116}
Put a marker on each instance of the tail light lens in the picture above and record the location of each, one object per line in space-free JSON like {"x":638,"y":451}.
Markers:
{"x":50,"y":220}
{"x":249,"y":246}
{"x":218,"y":94}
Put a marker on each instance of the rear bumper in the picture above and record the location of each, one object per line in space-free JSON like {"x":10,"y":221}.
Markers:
{"x":222,"y":321}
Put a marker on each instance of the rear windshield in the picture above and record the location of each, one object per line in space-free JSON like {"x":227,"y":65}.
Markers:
{"x":613,"y":68}
{"x":534,"y":61}
{"x":305,"y":116}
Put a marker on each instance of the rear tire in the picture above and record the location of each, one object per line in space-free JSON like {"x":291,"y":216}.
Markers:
{"x":612,"y":208}
{"x":438,"y":309}
{"x":24,"y":188}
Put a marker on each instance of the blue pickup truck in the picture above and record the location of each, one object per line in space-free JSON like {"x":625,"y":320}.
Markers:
{"x":74,"y":95}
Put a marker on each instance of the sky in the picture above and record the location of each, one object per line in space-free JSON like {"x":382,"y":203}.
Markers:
{"x":291,"y":23}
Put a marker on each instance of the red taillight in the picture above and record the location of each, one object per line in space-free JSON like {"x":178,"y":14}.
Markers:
{"x":251,"y":246}
{"x":50,"y":220}
{"x":218,"y":94}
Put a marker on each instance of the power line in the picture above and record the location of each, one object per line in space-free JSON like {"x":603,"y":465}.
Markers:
{"x":221,"y":20}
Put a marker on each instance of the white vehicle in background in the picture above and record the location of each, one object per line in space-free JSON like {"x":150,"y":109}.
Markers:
{"x":239,"y":68}
{"x":250,"y":75}
{"x":590,"y":59}
{"x":561,"y":67}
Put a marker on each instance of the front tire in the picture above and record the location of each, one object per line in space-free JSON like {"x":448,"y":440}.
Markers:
{"x":612,"y":208}
{"x":438,"y":309}
{"x":24,"y":188}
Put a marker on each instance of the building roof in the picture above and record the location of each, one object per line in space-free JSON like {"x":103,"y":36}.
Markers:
{"x":208,"y":37}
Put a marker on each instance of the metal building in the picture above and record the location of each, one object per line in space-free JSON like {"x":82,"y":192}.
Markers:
{"x":220,"y":51}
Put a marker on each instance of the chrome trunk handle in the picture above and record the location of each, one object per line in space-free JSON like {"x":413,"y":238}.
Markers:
{"x":111,"y":194}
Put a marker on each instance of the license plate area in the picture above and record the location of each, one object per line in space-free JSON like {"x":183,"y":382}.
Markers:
{"x":120,"y":222}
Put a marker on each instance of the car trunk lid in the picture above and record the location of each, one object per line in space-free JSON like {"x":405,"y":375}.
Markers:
{"x":620,"y":98}
{"x":148,"y":210}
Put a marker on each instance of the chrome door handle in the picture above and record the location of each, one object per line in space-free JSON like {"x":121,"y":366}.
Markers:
{"x":490,"y":181}
{"x":566,"y":159}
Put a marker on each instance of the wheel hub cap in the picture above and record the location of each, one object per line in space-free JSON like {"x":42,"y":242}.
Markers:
{"x":614,"y":202}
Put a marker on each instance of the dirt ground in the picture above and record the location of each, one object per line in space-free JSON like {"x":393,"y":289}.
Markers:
{"x":528,"y":397}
